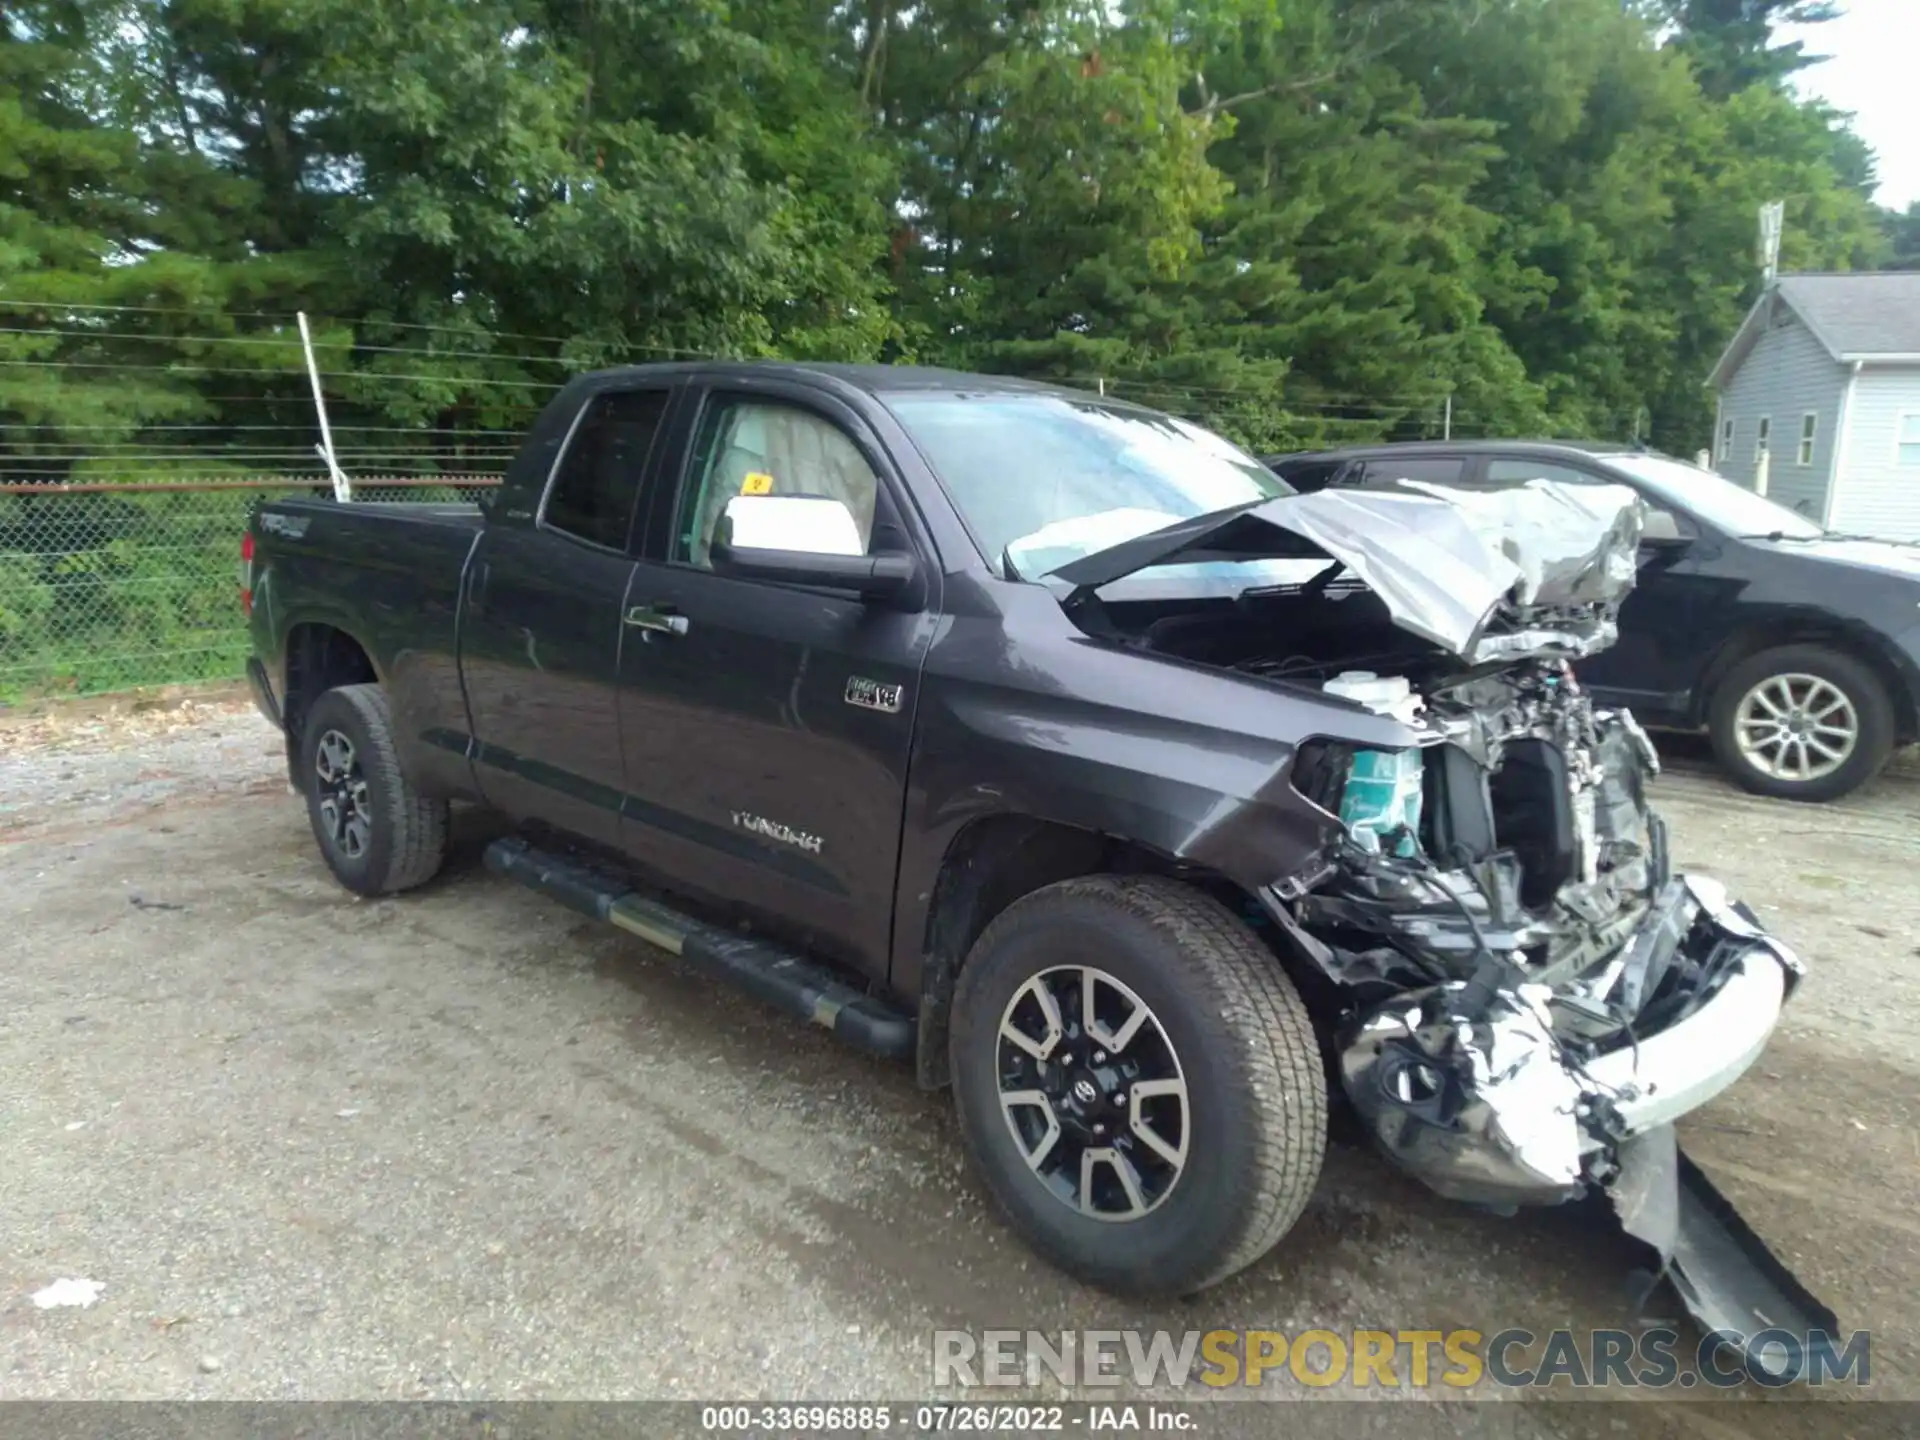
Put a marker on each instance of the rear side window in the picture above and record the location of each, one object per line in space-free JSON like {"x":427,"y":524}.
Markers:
{"x":1513,"y":471}
{"x":592,"y":496}
{"x":1436,"y":469}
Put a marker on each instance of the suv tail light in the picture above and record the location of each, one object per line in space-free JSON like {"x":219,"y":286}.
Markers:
{"x":246,"y":572}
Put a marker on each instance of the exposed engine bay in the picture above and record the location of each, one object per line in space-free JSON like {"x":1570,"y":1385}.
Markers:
{"x":1513,"y":943}
{"x":1526,"y":996}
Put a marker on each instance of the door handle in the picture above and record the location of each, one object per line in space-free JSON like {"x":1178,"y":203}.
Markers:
{"x":656,"y":621}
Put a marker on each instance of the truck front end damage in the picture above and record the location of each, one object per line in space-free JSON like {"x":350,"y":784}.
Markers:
{"x":1525,"y":996}
{"x":1534,"y":997}
{"x":1530,"y":983}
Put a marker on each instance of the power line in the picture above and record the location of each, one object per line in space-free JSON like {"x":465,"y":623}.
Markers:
{"x":280,"y":341}
{"x":367,"y":322}
{"x":142,"y":428}
{"x":172,"y":368}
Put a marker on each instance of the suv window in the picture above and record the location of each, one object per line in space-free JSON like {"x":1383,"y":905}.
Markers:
{"x":757,"y":447}
{"x":1509,"y":470}
{"x":593,"y":493}
{"x":1304,"y":475}
{"x":1436,"y":469}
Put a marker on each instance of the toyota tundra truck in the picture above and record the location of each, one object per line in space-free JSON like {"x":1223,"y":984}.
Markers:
{"x":1054,"y":746}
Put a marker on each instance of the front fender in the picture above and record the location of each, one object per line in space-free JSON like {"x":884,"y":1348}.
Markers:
{"x":1164,"y":777}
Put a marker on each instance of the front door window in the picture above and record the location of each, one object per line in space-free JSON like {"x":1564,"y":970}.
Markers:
{"x":754,"y":447}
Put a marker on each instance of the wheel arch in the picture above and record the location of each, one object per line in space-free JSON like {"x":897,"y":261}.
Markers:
{"x":319,"y":656}
{"x":1779,"y":631}
{"x":997,"y":859}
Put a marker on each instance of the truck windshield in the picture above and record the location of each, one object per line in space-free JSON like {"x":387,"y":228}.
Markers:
{"x":1045,"y":479}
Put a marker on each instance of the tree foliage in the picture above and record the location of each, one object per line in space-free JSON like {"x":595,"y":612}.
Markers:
{"x":1298,"y":219}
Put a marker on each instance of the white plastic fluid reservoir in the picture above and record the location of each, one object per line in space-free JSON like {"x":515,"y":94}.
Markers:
{"x":1384,"y":694}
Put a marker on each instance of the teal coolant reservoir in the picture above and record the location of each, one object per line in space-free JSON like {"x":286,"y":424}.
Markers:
{"x":1382,"y":796}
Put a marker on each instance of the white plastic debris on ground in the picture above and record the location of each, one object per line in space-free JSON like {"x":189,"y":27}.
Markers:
{"x":63,"y":1293}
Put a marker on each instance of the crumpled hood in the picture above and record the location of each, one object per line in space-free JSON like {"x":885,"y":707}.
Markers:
{"x":1548,"y":560}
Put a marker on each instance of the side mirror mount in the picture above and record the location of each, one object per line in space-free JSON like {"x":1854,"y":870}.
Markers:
{"x":806,"y":540}
{"x":1663,"y":530}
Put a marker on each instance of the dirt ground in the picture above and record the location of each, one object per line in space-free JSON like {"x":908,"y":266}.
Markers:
{"x":465,"y":1144}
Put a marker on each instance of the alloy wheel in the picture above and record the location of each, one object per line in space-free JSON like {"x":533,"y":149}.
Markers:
{"x":1093,"y":1092}
{"x":342,"y":788}
{"x":1796,"y":727}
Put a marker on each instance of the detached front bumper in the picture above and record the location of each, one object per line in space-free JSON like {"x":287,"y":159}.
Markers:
{"x":1504,"y":1108}
{"x":1682,"y":1067}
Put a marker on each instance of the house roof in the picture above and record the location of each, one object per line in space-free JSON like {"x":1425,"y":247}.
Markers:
{"x":1869,"y":317}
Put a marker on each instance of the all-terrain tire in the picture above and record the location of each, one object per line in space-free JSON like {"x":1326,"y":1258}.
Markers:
{"x":1257,"y":1100}
{"x":405,"y":833}
{"x":1872,"y":708}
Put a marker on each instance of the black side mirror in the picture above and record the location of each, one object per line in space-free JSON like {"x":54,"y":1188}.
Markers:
{"x":836,"y":560}
{"x":872,"y":577}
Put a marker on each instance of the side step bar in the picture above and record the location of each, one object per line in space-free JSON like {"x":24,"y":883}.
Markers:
{"x":783,"y":979}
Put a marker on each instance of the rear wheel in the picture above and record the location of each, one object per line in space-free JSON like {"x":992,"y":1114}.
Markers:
{"x":1138,"y":1083}
{"x":377,"y":833}
{"x":1802,"y":722}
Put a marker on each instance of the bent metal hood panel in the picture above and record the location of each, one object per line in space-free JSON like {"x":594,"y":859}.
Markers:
{"x":1447,"y":563}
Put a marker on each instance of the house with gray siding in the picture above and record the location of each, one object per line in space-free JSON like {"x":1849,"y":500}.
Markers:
{"x":1823,"y":379}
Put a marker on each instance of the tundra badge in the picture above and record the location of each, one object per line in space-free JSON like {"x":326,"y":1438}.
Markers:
{"x":774,"y":830}
{"x":873,"y":695}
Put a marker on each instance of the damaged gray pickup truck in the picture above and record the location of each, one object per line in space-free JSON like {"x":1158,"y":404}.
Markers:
{"x":1054,"y":744}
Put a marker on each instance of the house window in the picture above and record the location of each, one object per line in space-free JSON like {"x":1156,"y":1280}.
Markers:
{"x":1763,"y":437}
{"x":1726,"y":437}
{"x":1910,"y":440}
{"x":1809,"y":427}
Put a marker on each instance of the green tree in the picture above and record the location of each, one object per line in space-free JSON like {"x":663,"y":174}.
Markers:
{"x":1730,"y":42}
{"x":1903,"y":237}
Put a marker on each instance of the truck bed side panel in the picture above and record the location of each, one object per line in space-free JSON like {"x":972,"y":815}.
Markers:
{"x":389,"y":576}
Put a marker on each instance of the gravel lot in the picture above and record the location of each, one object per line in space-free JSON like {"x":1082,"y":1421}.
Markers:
{"x":464,"y":1144}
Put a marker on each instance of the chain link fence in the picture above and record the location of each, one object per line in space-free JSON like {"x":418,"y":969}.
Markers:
{"x":113,"y":586}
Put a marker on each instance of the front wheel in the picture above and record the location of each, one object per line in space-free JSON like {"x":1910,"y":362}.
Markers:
{"x":1802,"y":722}
{"x":1138,"y":1083}
{"x":377,"y":833}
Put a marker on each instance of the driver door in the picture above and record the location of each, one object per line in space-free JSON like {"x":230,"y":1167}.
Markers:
{"x":767,"y":726}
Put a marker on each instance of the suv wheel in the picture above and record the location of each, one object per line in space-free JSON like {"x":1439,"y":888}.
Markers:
{"x":1802,"y":723}
{"x":377,"y":833}
{"x":1138,"y":1083}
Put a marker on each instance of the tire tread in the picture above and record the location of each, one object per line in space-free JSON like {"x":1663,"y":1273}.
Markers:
{"x":419,"y":823}
{"x":1259,"y":1014}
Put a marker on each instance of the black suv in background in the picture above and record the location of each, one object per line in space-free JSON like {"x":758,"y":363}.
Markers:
{"x":1796,"y":649}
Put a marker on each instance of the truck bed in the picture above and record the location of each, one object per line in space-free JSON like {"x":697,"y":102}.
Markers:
{"x":390,"y":574}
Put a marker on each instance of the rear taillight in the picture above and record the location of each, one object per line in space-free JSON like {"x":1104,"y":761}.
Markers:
{"x":246,"y":572}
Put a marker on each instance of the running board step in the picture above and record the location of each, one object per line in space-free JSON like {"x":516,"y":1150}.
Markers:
{"x":783,"y":979}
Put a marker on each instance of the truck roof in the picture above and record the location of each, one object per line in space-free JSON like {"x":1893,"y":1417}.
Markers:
{"x":874,"y":379}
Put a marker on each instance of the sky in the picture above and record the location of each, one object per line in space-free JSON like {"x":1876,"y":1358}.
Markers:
{"x":1875,"y":73}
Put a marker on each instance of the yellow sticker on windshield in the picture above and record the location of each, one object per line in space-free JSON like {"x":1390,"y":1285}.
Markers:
{"x":758,"y":482}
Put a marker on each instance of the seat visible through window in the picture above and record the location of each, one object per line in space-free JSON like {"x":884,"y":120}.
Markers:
{"x":756,"y":448}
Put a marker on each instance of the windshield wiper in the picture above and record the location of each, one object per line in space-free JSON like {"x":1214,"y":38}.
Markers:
{"x":1827,"y":535}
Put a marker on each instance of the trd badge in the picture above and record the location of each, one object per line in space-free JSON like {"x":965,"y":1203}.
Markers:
{"x":873,"y":695}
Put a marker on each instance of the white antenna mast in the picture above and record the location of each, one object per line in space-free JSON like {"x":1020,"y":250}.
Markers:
{"x":1772,"y":221}
{"x":342,"y":488}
